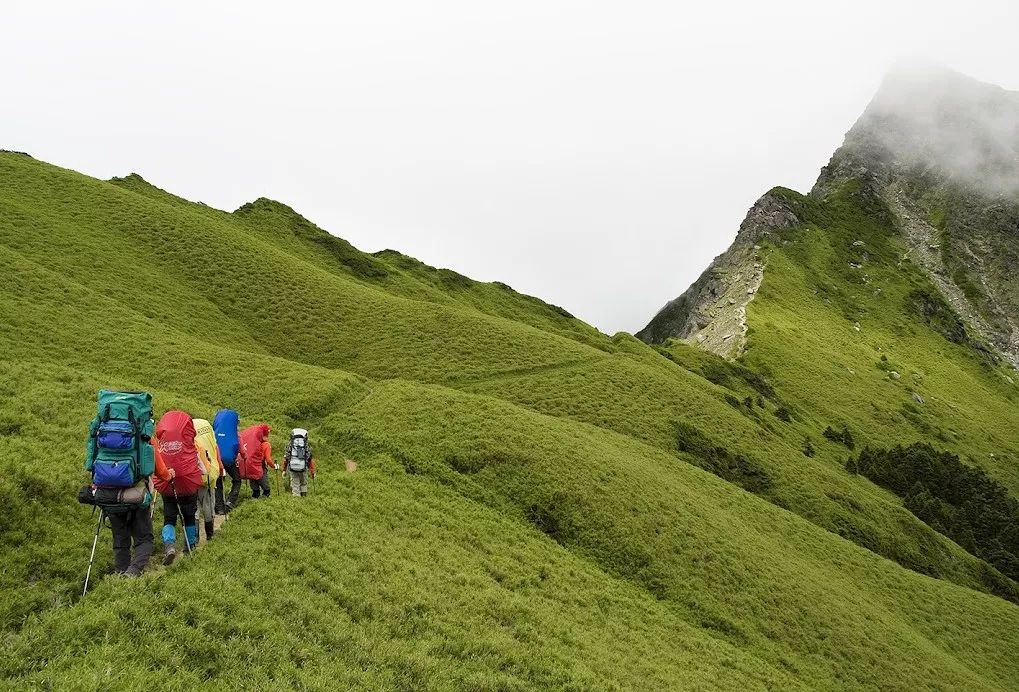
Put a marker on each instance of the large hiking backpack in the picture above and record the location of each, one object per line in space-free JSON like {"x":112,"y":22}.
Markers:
{"x":249,"y":462}
{"x":118,"y":452}
{"x":225,"y":424}
{"x":298,"y":452}
{"x":208,"y":453}
{"x":175,"y":440}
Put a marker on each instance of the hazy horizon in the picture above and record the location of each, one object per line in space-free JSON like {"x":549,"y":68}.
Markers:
{"x":594,"y":156}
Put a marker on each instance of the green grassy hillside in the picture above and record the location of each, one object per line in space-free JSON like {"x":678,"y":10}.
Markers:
{"x":536,"y":504}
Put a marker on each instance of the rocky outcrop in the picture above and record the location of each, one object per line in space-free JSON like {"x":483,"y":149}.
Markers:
{"x":942,"y":152}
{"x":936,"y":155}
{"x":713,"y":311}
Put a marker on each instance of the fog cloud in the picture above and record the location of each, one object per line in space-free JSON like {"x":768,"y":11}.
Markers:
{"x":930,"y":117}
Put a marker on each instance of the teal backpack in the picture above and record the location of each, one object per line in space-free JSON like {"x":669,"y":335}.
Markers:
{"x":118,"y":453}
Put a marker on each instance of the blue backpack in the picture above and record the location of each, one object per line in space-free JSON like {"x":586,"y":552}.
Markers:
{"x":118,"y":452}
{"x":225,"y":426}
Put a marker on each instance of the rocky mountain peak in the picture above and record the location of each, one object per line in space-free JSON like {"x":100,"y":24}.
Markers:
{"x":935,"y":123}
{"x":712,"y":312}
{"x":936,"y":156}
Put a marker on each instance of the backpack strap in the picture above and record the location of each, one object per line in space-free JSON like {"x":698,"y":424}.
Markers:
{"x":102,"y":418}
{"x":136,"y":437}
{"x":95,"y":443}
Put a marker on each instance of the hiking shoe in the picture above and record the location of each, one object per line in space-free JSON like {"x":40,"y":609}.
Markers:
{"x":132,"y":573}
{"x":169,"y":553}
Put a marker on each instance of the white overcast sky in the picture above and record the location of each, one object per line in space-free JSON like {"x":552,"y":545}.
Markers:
{"x":595,"y":154}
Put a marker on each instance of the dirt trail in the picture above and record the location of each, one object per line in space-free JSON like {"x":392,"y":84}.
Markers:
{"x":217,"y":522}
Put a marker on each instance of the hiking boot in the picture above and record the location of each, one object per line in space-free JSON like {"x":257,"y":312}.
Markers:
{"x":169,"y":553}
{"x":132,"y":573}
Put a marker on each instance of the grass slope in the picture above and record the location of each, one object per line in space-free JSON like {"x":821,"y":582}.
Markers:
{"x":523,"y":515}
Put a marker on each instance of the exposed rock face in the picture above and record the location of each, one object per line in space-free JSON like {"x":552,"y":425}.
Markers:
{"x":942,"y":151}
{"x":713,"y":311}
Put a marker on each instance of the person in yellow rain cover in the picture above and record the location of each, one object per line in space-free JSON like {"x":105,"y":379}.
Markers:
{"x":212,"y":471}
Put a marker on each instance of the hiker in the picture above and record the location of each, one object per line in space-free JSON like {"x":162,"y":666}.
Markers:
{"x":212,"y":473}
{"x":116,"y":435}
{"x":299,"y":462}
{"x":135,"y":526}
{"x":175,"y":444}
{"x":227,"y":439}
{"x":256,"y":457}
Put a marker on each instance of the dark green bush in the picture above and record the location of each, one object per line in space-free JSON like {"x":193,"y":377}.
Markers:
{"x":938,"y":315}
{"x":716,"y":372}
{"x":726,"y":374}
{"x":956,"y":499}
{"x":843,"y":437}
{"x":732,"y":466}
{"x":808,"y":448}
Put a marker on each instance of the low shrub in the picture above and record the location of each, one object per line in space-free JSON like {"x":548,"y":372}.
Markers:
{"x":732,"y":466}
{"x":958,"y":500}
{"x":843,"y":437}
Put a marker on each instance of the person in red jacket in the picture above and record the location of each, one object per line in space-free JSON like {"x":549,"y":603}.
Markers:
{"x":175,"y":447}
{"x":255,"y":458}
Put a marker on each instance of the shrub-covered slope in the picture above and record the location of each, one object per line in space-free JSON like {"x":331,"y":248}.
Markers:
{"x":536,"y":504}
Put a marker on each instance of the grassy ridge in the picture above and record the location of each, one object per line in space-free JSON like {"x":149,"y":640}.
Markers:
{"x":522,"y":515}
{"x":642,"y":516}
{"x":809,"y":306}
{"x":432,"y":591}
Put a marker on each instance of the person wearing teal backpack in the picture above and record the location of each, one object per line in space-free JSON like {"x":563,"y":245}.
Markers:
{"x":122,"y":461}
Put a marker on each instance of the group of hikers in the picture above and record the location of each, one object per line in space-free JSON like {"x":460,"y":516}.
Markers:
{"x":183,"y":459}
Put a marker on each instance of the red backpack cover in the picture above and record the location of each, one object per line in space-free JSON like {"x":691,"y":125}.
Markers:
{"x":175,"y":444}
{"x":251,"y":457}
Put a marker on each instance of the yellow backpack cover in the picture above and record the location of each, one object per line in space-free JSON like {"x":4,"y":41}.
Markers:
{"x":208,"y":451}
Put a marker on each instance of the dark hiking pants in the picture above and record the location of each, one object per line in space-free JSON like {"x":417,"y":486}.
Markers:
{"x":183,"y":504}
{"x":235,"y":486}
{"x":220,"y":501}
{"x":261,"y":486}
{"x":132,"y":527}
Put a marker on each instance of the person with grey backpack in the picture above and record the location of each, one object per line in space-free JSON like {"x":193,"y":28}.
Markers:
{"x":299,"y":462}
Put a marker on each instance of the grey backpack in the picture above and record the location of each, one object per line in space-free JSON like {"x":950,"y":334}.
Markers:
{"x":297,"y":459}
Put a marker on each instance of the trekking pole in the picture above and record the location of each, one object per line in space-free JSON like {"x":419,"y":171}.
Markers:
{"x":102,"y":513}
{"x":183,"y":526}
